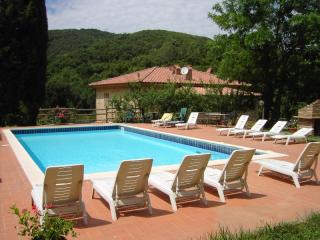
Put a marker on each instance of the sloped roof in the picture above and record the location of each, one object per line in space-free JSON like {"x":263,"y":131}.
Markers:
{"x":164,"y":75}
{"x":311,"y":111}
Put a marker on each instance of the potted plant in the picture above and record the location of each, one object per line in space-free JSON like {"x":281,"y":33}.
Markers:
{"x":292,"y":125}
{"x":53,"y":228}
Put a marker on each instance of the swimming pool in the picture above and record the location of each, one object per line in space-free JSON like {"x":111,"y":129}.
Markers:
{"x":102,"y":150}
{"x":34,"y":155}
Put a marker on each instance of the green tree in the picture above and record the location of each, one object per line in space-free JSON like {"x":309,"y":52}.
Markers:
{"x":23,"y":46}
{"x":273,"y":44}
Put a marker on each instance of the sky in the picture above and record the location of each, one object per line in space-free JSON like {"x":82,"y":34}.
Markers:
{"x":126,"y":16}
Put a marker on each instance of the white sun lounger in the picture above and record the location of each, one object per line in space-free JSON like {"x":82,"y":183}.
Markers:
{"x":255,"y":128}
{"x":60,"y":194}
{"x":186,"y":183}
{"x":128,"y":188}
{"x":301,"y":134}
{"x":233,"y":175}
{"x":276,"y":129}
{"x":305,"y":166}
{"x":191,"y":123}
{"x":239,"y":126}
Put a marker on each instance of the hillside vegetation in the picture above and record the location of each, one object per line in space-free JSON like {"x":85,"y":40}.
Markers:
{"x":78,"y":57}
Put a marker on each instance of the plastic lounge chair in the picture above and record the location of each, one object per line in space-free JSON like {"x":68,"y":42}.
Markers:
{"x":181,"y":117}
{"x":301,"y":134}
{"x":255,"y":128}
{"x":302,"y":169}
{"x":169,"y":123}
{"x":233,"y":175}
{"x":182,"y":114}
{"x":128,"y":188}
{"x":191,"y":123}
{"x":166,"y":117}
{"x":60,"y":194}
{"x":276,"y":129}
{"x":186,"y":183}
{"x":239,"y":126}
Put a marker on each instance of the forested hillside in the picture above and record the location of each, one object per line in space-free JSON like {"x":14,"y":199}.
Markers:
{"x":78,"y":57}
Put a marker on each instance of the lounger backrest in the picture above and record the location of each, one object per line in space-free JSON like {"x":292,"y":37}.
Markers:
{"x":237,"y":165}
{"x":166,"y":117}
{"x":193,"y":118}
{"x":62,"y":185}
{"x":259,"y":125}
{"x":277,"y":128}
{"x":190,"y":172}
{"x":132,"y":178}
{"x":242,"y":122}
{"x":308,"y":156}
{"x":303,"y":132}
{"x":182,"y":114}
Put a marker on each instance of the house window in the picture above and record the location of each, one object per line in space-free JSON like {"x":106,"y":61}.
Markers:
{"x":106,"y":95}
{"x":107,"y":99}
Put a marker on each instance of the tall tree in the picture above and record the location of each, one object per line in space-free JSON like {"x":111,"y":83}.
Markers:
{"x":275,"y":45}
{"x":23,"y":47}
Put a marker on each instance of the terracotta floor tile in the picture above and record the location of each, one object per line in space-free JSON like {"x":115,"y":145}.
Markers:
{"x":270,"y":194}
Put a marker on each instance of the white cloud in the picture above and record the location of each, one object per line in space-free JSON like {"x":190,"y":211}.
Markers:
{"x":119,"y":16}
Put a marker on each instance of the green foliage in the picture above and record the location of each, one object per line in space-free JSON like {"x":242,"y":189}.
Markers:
{"x":172,"y":97}
{"x":23,"y":46}
{"x":313,"y":138}
{"x":79,"y":57}
{"x":52,"y":228}
{"x":305,"y":229}
{"x":274,"y":45}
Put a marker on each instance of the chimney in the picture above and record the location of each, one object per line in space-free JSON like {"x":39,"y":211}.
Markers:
{"x":189,"y":74}
{"x":177,"y":69}
{"x":209,"y":70}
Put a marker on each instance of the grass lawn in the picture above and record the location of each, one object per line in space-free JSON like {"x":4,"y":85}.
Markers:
{"x":308,"y":228}
{"x":314,"y":138}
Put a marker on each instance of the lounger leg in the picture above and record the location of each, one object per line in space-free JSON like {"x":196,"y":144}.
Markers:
{"x":173,"y":203}
{"x":288,"y":140}
{"x":263,"y":137}
{"x":203,"y":196}
{"x":149,"y":203}
{"x":221,"y":194}
{"x":92,"y":195}
{"x":260,"y":170}
{"x":85,"y":215}
{"x":228,"y":133}
{"x":296,"y":181}
{"x":315,"y":177}
{"x":113,"y":211}
{"x":247,"y":189}
{"x":244,"y":135}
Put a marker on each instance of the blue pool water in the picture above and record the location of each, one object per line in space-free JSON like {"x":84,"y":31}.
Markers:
{"x":103,"y":150}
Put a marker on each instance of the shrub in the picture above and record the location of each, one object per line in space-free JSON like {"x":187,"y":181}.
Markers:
{"x":52,"y":228}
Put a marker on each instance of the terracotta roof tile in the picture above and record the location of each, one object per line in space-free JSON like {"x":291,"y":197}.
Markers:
{"x":164,"y":75}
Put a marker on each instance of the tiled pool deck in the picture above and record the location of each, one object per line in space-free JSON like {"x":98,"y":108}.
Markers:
{"x":274,"y":199}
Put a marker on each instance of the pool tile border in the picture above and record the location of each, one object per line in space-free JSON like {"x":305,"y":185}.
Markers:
{"x":164,"y":136}
{"x":183,"y":140}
